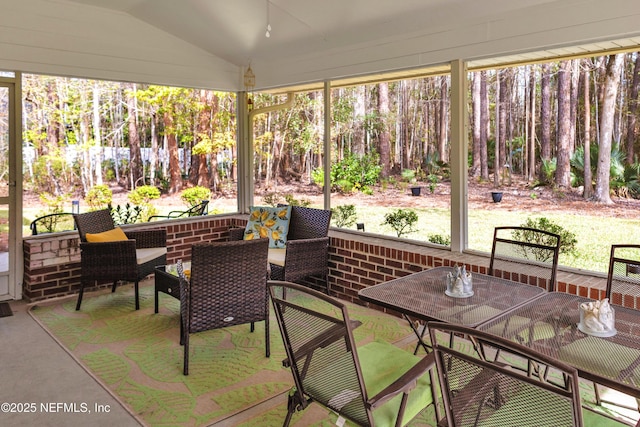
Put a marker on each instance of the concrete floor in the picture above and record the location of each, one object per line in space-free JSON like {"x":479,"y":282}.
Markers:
{"x":42,"y":385}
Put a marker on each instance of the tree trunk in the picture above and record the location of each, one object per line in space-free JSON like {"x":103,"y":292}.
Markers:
{"x":610,"y":93}
{"x":484,"y":126}
{"x":532,"y":132}
{"x":175,"y":174}
{"x":205,"y":124}
{"x":575,"y":86}
{"x":443,"y":135}
{"x":503,"y":83}
{"x":498,"y":135}
{"x":359,"y":112}
{"x":97,"y":138}
{"x":477,"y":124}
{"x":545,"y":116}
{"x":384,"y":140}
{"x":135,"y":164}
{"x":563,"y":166}
{"x":633,"y":111}
{"x":588,"y":179}
{"x":153,"y":159}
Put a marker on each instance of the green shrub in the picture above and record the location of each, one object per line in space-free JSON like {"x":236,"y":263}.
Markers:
{"x":271,"y":199}
{"x":440,"y":239}
{"x":344,"y":186}
{"x":98,"y":197}
{"x":344,"y":215}
{"x":195,"y":195}
{"x":54,"y":204}
{"x":357,"y":170}
{"x":568,"y":239}
{"x":143,"y":194}
{"x":401,"y":220}
{"x":409,"y":175}
{"x":290,"y":200}
{"x":433,"y":180}
{"x":317,"y":175}
{"x":126,"y":215}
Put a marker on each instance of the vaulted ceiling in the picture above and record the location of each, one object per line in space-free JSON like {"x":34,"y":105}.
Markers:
{"x":209,"y":43}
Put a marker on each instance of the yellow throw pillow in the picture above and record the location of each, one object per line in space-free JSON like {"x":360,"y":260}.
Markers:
{"x":114,"y":235}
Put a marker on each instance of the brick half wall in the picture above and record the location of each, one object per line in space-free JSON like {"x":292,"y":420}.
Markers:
{"x":356,"y":260}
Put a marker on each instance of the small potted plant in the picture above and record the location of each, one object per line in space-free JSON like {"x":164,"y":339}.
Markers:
{"x":410,"y":175}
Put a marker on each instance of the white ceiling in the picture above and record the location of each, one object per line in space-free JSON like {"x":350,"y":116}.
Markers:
{"x":208,"y":43}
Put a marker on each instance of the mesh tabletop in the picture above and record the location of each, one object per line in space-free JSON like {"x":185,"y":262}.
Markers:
{"x":422,"y":296}
{"x":549,"y":324}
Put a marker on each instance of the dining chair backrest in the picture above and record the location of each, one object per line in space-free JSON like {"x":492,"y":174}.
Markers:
{"x":329,"y":369}
{"x":320,"y":346}
{"x":526,"y":255}
{"x":521,"y":387}
{"x":623,"y":279}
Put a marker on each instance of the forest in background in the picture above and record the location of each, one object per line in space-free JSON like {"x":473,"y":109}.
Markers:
{"x":537,"y":120}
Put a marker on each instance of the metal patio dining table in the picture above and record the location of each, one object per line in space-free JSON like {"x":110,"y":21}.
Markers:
{"x":421,"y":296}
{"x":550,"y":325}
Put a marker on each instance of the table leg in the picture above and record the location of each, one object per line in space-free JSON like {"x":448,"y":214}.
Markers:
{"x":419,"y":334}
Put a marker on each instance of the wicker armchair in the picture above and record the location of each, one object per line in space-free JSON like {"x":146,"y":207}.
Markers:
{"x":228,"y":286}
{"x":307,"y":252}
{"x":128,"y":260}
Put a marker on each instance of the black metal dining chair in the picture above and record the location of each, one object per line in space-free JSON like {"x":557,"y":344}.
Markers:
{"x":479,"y":389}
{"x":377,"y":384}
{"x":525,"y":255}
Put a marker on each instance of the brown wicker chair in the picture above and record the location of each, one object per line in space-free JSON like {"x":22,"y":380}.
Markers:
{"x":129,"y":260}
{"x":478,"y":390}
{"x":228,"y":286}
{"x":374,"y":384}
{"x":520,"y":253}
{"x":307,"y":252}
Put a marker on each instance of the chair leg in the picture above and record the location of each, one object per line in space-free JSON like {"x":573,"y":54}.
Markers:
{"x":253,"y":326}
{"x":137,"y":296}
{"x":267,"y":336}
{"x":80,"y":294}
{"x":292,"y":404}
{"x":185,"y":368}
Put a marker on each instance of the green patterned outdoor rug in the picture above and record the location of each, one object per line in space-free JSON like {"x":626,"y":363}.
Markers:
{"x":136,"y":355}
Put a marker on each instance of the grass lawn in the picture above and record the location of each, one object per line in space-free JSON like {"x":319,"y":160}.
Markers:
{"x":595,"y":234}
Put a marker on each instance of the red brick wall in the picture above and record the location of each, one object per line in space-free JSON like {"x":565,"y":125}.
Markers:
{"x":356,"y":262}
{"x":52,"y":262}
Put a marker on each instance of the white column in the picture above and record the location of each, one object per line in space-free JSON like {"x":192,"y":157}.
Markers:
{"x":245,"y":184}
{"x":459,"y":155}
{"x":327,"y":145}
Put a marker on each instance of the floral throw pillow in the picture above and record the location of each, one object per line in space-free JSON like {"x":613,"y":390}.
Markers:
{"x":265,"y":221}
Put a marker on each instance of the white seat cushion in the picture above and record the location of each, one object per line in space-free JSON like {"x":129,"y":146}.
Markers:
{"x":277,"y":256}
{"x":147,"y":254}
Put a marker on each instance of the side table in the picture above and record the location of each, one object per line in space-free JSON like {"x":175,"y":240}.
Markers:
{"x":167,"y":282}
